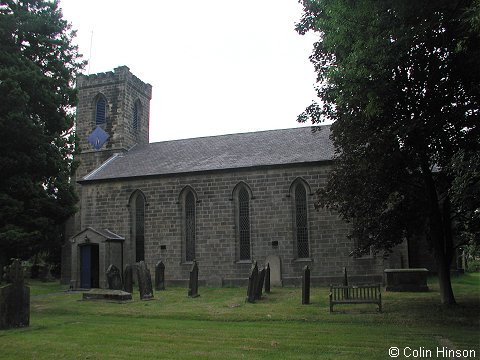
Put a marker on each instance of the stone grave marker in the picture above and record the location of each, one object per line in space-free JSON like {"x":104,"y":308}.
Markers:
{"x":128,"y":279}
{"x":160,"y":276}
{"x":114,"y":278}
{"x":306,"y":286}
{"x":267,"y":279}
{"x":345,"y":282}
{"x":259,"y":287}
{"x":345,"y":277}
{"x":193,"y":283}
{"x":252,"y":281}
{"x":144,"y":281}
{"x":14,"y":298}
{"x":275,"y":270}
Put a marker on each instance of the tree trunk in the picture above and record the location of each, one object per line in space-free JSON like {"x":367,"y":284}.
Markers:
{"x":444,"y":282}
{"x":440,"y":238}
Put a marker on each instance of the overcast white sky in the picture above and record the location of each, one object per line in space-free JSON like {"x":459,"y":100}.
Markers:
{"x":216,"y":66}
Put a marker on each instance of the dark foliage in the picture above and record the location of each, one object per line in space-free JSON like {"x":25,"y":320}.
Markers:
{"x":38,"y":65}
{"x":401,"y":80}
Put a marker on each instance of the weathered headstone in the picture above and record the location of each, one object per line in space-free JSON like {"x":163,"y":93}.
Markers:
{"x":259,"y":287}
{"x":193,"y":283}
{"x":345,"y":282}
{"x":306,"y":286}
{"x":252,"y":281}
{"x":160,"y":276}
{"x":128,"y":279}
{"x":144,"y":281}
{"x":267,"y":279}
{"x":275,"y":270}
{"x":345,"y":277}
{"x":14,"y":298}
{"x":114,"y":278}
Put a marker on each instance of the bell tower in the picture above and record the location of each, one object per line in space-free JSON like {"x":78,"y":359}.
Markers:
{"x":113,"y":114}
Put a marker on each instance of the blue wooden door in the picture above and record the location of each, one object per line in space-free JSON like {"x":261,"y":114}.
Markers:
{"x":85,"y":266}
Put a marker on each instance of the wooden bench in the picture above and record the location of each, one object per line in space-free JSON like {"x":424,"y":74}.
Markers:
{"x":362,"y":294}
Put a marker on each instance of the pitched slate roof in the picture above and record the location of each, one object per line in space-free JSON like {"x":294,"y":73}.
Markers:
{"x":262,"y":148}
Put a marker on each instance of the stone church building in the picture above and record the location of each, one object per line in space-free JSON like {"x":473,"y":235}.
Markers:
{"x":225,"y":201}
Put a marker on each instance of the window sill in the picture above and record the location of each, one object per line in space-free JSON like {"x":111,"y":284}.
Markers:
{"x":365,"y":257}
{"x":303,"y":260}
{"x":243,"y":262}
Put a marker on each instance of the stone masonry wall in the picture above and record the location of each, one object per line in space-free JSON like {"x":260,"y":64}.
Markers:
{"x":105,"y":205}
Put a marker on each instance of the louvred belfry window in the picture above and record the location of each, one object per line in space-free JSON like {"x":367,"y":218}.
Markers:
{"x":100,"y":111}
{"x":190,"y":227}
{"x":244,"y":223}
{"x":301,"y":222}
{"x":135,"y":120}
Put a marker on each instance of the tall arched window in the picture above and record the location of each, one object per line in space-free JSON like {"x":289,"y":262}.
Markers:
{"x":100,"y":110}
{"x":242,"y":196}
{"x":190,"y":226}
{"x":301,"y":220}
{"x":137,"y":207}
{"x":243,"y":226}
{"x":136,"y":115}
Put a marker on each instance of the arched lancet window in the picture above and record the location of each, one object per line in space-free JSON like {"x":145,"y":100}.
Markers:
{"x":190,"y":225}
{"x":243,"y":225}
{"x":137,"y":206}
{"x":100,"y":111}
{"x":136,"y":115}
{"x":301,"y":220}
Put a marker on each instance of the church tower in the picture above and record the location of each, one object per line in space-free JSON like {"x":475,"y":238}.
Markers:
{"x":112,"y":116}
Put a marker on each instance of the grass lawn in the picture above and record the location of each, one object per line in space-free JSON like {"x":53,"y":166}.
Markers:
{"x":220,"y":325}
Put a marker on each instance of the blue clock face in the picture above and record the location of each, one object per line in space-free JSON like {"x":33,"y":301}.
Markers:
{"x":97,"y":138}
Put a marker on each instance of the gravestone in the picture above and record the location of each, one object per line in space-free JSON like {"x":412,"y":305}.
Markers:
{"x":160,"y":276}
{"x":275,"y":270}
{"x":252,"y":281}
{"x":14,"y":298}
{"x":306,"y":286}
{"x":267,"y":279}
{"x":345,"y":277}
{"x":114,"y":278}
{"x":345,"y":282}
{"x":144,"y":281}
{"x":193,"y":283}
{"x":128,"y":279}
{"x":259,"y":286}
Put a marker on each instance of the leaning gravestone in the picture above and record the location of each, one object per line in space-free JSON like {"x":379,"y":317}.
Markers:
{"x":160,"y":276}
{"x":252,"y":281}
{"x":114,"y":278}
{"x":306,"y":286}
{"x":193,"y":283}
{"x":144,"y":281}
{"x":14,"y":298}
{"x":267,"y":279}
{"x":128,"y":279}
{"x":259,"y":286}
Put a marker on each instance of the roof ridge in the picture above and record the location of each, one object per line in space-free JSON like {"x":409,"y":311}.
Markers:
{"x":240,"y":133}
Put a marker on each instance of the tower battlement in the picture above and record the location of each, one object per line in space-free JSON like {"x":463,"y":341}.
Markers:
{"x":119,"y":75}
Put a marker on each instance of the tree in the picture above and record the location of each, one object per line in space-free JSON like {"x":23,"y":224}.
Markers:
{"x":38,"y":65}
{"x":400,"y":80}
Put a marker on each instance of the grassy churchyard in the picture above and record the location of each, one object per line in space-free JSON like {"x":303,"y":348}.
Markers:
{"x":221,"y":325}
